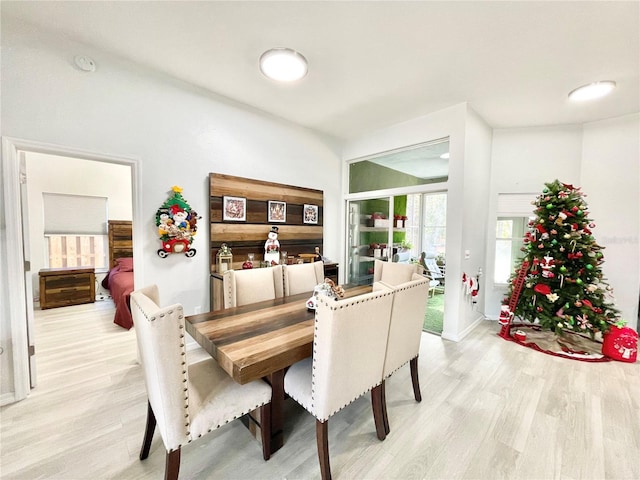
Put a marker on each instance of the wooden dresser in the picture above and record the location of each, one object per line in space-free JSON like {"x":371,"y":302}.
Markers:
{"x":60,"y":287}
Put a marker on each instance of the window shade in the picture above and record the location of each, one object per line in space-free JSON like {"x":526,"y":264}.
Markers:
{"x":516,"y":204}
{"x":74,"y":214}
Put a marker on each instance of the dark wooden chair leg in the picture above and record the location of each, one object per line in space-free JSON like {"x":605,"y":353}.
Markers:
{"x":148,"y":433}
{"x":378,"y":411}
{"x":322,"y":439}
{"x":385,"y":417}
{"x":172,"y":465}
{"x":265,"y":430}
{"x":414,"y":379}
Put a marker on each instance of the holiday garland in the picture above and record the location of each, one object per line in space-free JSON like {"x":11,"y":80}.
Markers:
{"x":564,"y":287}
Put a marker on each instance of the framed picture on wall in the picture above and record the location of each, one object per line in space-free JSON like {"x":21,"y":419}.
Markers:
{"x":310,"y":214}
{"x":277,"y":212}
{"x":234,"y":209}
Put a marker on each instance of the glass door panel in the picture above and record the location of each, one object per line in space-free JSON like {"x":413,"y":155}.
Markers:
{"x":369,"y":237}
{"x":378,"y":231}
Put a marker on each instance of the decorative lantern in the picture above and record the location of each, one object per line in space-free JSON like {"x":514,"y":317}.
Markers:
{"x":224,"y":259}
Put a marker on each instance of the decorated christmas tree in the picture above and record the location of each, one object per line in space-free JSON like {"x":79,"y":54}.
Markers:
{"x":564,"y":289}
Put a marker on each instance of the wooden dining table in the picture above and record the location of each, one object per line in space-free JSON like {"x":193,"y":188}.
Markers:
{"x":260,"y":341}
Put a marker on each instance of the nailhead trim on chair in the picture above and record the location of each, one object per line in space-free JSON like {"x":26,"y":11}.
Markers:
{"x":413,"y":285}
{"x":185,"y":380}
{"x":313,"y":367}
{"x":405,"y":363}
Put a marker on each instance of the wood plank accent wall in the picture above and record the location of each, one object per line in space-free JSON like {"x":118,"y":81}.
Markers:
{"x":120,"y":240}
{"x":249,"y":236}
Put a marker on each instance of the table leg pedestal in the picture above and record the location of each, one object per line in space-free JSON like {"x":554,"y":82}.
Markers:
{"x":276,"y":380}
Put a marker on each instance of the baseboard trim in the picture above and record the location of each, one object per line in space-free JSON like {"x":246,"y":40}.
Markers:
{"x":465,"y":332}
{"x":7,"y":398}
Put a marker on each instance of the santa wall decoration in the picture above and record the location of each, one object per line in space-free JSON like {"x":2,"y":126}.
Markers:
{"x":177,"y":225}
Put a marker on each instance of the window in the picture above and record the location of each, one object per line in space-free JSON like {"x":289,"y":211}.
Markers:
{"x":509,"y":233}
{"x":426,"y":229}
{"x":75,"y":228}
{"x":421,"y":164}
{"x":77,"y":251}
{"x":514,"y":210}
{"x":435,"y":223}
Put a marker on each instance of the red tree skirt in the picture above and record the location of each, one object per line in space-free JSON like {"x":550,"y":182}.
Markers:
{"x":571,"y":345}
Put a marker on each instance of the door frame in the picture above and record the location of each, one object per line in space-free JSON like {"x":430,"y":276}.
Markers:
{"x":16,"y":288}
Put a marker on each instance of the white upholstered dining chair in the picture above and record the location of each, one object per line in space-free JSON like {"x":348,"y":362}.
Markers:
{"x":242,"y":287}
{"x":186,"y":401}
{"x":393,"y":273}
{"x":349,"y":344}
{"x":302,"y":277}
{"x":405,"y":331}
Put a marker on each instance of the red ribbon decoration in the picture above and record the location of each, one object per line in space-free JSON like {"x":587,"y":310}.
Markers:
{"x":542,"y":289}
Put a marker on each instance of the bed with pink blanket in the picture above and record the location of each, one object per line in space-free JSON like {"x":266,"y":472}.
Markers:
{"x":119,"y":282}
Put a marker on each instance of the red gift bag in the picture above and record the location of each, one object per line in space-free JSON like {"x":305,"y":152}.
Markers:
{"x":621,"y":343}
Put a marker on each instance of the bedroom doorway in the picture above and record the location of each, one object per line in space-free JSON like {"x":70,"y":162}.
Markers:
{"x":71,"y":201}
{"x":23,"y":252}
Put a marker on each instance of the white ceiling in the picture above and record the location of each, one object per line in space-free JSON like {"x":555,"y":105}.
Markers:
{"x":372,"y":64}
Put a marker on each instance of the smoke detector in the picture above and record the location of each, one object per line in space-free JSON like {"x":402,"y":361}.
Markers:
{"x":84,"y":63}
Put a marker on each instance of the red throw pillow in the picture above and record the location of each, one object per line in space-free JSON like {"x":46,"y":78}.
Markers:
{"x":125,"y":264}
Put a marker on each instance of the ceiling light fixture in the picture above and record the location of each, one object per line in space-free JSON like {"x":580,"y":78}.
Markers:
{"x":283,"y":64}
{"x":592,"y":91}
{"x":445,"y":155}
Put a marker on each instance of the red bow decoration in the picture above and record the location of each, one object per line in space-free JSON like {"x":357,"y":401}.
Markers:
{"x":542,"y":289}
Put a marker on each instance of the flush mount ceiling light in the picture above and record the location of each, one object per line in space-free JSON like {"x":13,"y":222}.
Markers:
{"x":445,"y":155}
{"x":592,"y":91}
{"x":283,"y":64}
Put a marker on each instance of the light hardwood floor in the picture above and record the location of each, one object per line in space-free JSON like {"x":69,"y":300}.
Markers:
{"x":491,"y":409}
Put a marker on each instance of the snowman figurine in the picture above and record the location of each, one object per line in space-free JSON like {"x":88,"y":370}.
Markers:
{"x":272,"y":247}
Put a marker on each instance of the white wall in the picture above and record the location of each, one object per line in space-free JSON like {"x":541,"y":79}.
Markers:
{"x":470,"y":151}
{"x":522,"y":160}
{"x":179,"y":134}
{"x":72,"y":176}
{"x":603,"y":159}
{"x":611,"y":178}
{"x":475,"y":191}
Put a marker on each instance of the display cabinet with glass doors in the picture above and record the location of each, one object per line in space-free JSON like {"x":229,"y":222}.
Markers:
{"x":373,"y":234}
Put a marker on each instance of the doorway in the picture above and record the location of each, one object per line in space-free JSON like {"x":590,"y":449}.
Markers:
{"x":70,"y":201}
{"x":16,"y":252}
{"x":396,"y":210}
{"x":427,"y":232}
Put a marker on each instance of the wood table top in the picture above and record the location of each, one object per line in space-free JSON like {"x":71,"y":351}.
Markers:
{"x":253,"y":341}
